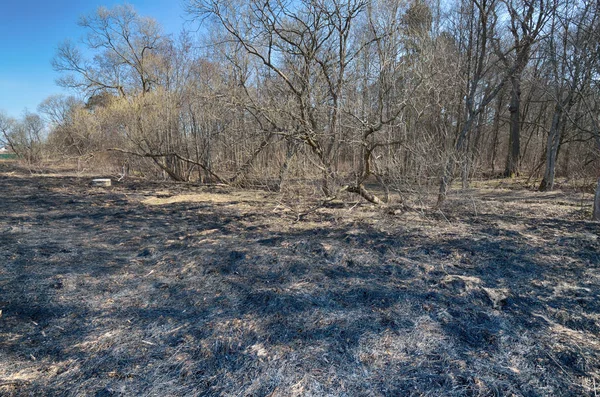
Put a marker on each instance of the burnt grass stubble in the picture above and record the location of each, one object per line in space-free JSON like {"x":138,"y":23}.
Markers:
{"x":103,"y":295}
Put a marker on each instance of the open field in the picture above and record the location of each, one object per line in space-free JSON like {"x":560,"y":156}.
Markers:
{"x":173,"y":290}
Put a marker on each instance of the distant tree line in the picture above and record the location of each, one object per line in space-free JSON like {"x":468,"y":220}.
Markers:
{"x":334,"y":95}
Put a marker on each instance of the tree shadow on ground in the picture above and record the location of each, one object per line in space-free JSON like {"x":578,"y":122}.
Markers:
{"x":113,"y":297}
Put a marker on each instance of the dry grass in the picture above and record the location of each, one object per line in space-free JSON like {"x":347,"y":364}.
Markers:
{"x":170,"y":290}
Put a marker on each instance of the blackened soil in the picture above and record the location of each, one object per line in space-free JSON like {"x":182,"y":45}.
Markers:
{"x":105,"y":294}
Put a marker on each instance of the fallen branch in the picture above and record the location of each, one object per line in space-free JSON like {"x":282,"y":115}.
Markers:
{"x":358,"y":189}
{"x":176,"y":155}
{"x":364,"y":193}
{"x":321,"y":204}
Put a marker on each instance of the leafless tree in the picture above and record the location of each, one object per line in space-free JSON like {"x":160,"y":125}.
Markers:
{"x":124,"y":45}
{"x":60,"y":113}
{"x":571,"y":51}
{"x":310,"y":50}
{"x":332,"y":96}
{"x":477,"y":29}
{"x":24,"y":136}
{"x":526,"y":23}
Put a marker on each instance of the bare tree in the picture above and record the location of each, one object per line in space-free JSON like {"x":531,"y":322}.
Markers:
{"x":483,"y":83}
{"x":6,"y":126}
{"x":25,"y":136}
{"x":527,"y":20}
{"x":123,"y":44}
{"x":570,"y":50}
{"x":335,"y":96}
{"x":311,"y":50}
{"x":60,"y":112}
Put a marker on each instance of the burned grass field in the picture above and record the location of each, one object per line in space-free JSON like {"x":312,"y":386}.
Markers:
{"x":142,"y":289}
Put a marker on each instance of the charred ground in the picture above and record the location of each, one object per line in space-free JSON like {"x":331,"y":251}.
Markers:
{"x":134,"y":290}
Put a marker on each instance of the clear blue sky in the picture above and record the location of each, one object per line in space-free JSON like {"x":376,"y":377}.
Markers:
{"x":30,"y":31}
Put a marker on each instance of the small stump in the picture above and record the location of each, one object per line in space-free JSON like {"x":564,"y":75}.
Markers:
{"x":101,"y":182}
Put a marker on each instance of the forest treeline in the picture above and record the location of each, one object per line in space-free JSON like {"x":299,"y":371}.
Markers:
{"x":335,"y":96}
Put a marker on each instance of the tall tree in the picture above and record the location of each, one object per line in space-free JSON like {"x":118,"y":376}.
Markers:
{"x":310,"y":48}
{"x":123,"y":44}
{"x":571,"y":49}
{"x":527,"y":20}
{"x":477,"y":27}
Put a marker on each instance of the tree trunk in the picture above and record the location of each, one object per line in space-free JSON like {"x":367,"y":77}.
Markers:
{"x":512,"y":161}
{"x":448,"y":173}
{"x":242,"y":171}
{"x":496,"y":133}
{"x":596,"y":214}
{"x":364,"y":193}
{"x":466,"y":167}
{"x":445,"y":182}
{"x":326,"y":181}
{"x":289,"y":154}
{"x":552,"y":147}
